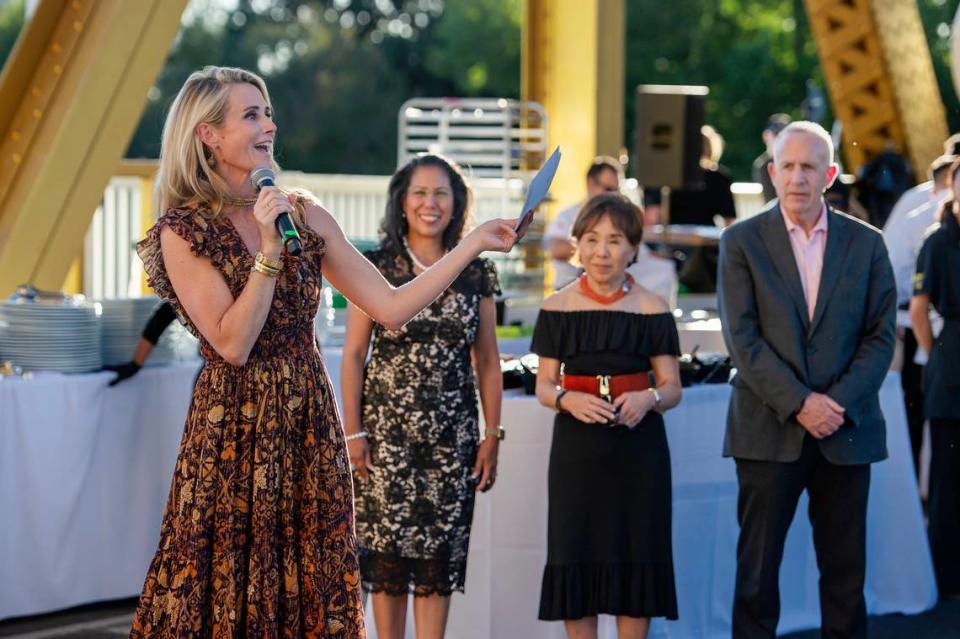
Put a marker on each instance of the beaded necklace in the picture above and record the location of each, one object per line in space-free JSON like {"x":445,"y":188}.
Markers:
{"x":606,"y":299}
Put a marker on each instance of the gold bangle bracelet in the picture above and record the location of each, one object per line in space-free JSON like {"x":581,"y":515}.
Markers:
{"x":276,"y":264}
{"x":265,"y":270}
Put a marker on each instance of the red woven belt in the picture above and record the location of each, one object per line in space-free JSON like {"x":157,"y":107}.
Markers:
{"x":607,"y":386}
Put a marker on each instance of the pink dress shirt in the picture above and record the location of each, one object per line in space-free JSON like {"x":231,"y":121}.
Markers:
{"x":808,"y":252}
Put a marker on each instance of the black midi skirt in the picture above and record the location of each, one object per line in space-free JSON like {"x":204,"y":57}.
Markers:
{"x":609,"y":547}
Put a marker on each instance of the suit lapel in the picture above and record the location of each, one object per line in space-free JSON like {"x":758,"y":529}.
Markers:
{"x":781,"y":254}
{"x":834,"y":256}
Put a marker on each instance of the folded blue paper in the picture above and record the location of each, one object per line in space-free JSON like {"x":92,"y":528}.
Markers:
{"x":538,"y":189}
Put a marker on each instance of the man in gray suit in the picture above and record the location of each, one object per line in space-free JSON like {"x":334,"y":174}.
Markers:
{"x":808,"y":301}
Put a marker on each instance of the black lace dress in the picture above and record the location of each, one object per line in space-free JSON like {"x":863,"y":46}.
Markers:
{"x":609,"y":545}
{"x":420,"y":409}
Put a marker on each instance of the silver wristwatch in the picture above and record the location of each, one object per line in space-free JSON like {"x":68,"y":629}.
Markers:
{"x":499,"y":432}
{"x":657,"y":400}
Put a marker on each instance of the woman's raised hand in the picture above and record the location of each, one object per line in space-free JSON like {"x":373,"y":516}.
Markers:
{"x":495,"y":235}
{"x":271,"y":202}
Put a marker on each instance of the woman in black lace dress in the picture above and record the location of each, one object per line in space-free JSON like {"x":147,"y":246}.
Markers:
{"x":608,"y":531}
{"x":411,"y":414}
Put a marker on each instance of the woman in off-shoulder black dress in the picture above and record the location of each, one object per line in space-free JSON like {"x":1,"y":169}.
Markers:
{"x":609,"y":533}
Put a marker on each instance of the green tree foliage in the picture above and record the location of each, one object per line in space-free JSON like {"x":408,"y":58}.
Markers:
{"x":11,"y":21}
{"x":338,"y":70}
{"x":937,"y":16}
{"x":755,"y":56}
{"x":475,"y":47}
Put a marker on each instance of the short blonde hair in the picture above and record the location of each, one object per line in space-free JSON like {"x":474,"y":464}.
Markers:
{"x":810,"y":128}
{"x":186,"y":178}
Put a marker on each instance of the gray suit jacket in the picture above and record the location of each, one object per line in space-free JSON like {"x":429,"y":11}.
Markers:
{"x":782,"y":356}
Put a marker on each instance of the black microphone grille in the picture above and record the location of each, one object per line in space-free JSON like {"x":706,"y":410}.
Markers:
{"x":262,"y":176}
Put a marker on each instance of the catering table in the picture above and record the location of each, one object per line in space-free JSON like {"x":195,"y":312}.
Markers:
{"x":84,"y":474}
{"x":85,"y":471}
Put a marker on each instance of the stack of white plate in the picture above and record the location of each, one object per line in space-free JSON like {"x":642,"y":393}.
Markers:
{"x":175,"y":345}
{"x":122,"y":322}
{"x":61,"y":336}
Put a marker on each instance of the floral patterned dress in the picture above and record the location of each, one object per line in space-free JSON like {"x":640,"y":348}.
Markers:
{"x":420,"y":410}
{"x":257,"y":537}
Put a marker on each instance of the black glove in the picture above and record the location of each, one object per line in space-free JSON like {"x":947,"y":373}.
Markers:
{"x":123,"y":371}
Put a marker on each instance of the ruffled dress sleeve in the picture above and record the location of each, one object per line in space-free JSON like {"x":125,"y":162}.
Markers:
{"x":663,"y":336}
{"x":547,"y":334}
{"x":489,"y":280}
{"x":564,"y":334}
{"x":197,"y":230}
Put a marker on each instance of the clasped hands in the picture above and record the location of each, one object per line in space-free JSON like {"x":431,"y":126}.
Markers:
{"x":627,"y":409}
{"x":820,"y":415}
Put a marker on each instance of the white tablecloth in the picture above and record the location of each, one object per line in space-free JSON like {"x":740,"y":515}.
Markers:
{"x":702,"y":336}
{"x":84,"y":474}
{"x":85,"y":471}
{"x":508,"y":547}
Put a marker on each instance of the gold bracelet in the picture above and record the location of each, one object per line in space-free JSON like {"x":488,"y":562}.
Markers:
{"x":265,"y":270}
{"x":276,"y":264}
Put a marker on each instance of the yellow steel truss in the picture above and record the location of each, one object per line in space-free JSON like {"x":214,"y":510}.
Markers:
{"x":573,"y":65}
{"x":71,"y":95}
{"x":880,"y":77}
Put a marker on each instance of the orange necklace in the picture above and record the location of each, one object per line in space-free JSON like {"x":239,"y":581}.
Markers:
{"x":606,"y":299}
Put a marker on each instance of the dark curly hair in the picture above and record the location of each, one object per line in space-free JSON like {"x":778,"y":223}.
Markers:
{"x":394,"y":226}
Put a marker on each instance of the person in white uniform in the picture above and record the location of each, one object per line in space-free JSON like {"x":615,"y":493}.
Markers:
{"x":605,"y":175}
{"x":919,"y":195}
{"x":904,"y":234}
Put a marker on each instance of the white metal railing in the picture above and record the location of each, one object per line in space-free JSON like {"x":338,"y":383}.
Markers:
{"x":111,"y":268}
{"x":358,"y":202}
{"x":494,"y":137}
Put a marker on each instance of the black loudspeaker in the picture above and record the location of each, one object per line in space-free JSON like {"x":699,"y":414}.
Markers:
{"x":667,"y":142}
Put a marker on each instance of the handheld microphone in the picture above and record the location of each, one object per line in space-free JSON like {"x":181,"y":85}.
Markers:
{"x":261,"y":177}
